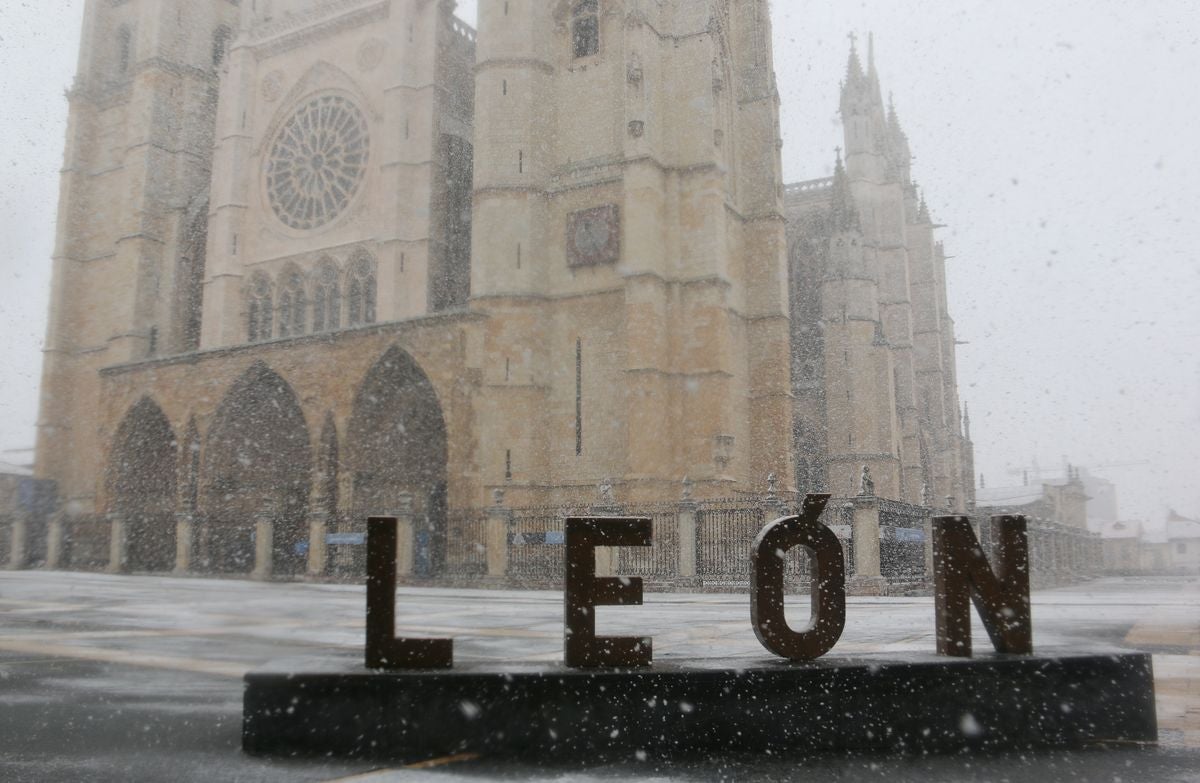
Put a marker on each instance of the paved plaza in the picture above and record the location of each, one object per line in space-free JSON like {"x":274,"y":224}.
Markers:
{"x":139,"y":678}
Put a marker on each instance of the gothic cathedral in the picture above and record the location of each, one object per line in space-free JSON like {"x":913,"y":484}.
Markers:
{"x":321,"y":259}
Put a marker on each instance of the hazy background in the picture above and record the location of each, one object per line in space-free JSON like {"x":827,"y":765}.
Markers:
{"x":1057,"y":141}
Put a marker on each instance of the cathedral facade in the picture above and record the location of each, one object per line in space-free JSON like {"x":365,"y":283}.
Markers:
{"x":320,"y":259}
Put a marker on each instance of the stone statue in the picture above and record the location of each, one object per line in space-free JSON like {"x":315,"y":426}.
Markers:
{"x":866,"y":485}
{"x":606,"y":493}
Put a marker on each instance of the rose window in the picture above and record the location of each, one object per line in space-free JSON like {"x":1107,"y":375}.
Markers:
{"x":317,"y":162}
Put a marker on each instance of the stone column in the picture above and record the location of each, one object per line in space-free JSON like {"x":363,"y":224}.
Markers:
{"x":54,"y":540}
{"x":264,"y":546}
{"x":405,"y":551}
{"x":17,"y":554}
{"x":499,"y":522}
{"x":118,"y":545}
{"x":318,"y":553}
{"x":685,"y":519}
{"x":867,"y":579}
{"x":184,"y":527}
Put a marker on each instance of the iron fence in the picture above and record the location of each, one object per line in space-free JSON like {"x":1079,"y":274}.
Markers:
{"x":535,"y":544}
{"x":346,"y":548}
{"x":902,"y":540}
{"x":725,"y":531}
{"x":466,"y":548}
{"x":660,"y":560}
{"x":839,"y":517}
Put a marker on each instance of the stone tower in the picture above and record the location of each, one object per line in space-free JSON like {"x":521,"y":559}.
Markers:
{"x":629,"y":245}
{"x":873,"y":344}
{"x":181,"y":233}
{"x":878,"y":171}
{"x":133,"y":208}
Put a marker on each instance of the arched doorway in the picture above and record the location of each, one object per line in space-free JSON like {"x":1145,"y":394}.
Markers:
{"x":141,"y":476}
{"x":257,"y":466}
{"x":396,"y":448}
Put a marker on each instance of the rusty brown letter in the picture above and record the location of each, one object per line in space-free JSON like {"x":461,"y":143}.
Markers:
{"x":582,"y":649}
{"x":384,"y":650}
{"x":828,"y":584}
{"x":961,"y":574}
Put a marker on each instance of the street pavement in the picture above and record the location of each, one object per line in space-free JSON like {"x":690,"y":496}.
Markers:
{"x":134,"y":678}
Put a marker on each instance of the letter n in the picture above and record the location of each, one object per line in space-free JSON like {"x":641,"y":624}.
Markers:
{"x":962,"y":574}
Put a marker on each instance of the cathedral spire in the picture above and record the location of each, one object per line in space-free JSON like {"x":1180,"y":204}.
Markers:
{"x":862,"y":105}
{"x":843,"y":210}
{"x":854,"y":69}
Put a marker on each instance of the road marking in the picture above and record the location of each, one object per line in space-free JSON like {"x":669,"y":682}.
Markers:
{"x":383,"y":775}
{"x":126,"y":658}
{"x":444,"y":761}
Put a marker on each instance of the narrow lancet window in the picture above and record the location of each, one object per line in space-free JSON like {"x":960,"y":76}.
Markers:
{"x":292,"y":305}
{"x":585,"y":28}
{"x":360,"y":292}
{"x":326,"y":299}
{"x":258,"y":310}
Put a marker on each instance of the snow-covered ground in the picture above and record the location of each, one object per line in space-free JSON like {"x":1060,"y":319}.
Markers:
{"x":175,"y":649}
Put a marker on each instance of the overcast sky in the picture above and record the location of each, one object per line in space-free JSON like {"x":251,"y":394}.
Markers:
{"x":1057,"y":142}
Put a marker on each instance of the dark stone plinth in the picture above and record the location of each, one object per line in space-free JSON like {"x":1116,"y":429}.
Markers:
{"x":867,"y":704}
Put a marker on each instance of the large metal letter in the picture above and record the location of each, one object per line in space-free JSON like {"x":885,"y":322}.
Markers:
{"x":582,"y":649}
{"x":828,"y":584}
{"x":384,"y":650}
{"x":960,"y":569}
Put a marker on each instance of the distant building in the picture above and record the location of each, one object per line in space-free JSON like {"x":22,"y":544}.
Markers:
{"x":1183,"y":543}
{"x":1131,"y":548}
{"x":1062,"y":501}
{"x":1060,"y":541}
{"x":1102,"y":499}
{"x":1122,"y":547}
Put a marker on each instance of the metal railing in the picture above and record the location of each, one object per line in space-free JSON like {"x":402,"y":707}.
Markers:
{"x":466,"y":548}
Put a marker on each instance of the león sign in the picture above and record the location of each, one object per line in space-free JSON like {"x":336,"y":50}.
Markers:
{"x":962,"y":574}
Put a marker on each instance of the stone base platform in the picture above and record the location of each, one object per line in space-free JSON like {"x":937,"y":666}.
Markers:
{"x":867,"y":704}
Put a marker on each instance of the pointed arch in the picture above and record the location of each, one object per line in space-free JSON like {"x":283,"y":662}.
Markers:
{"x":361,"y":289}
{"x":396,"y":447}
{"x":259,"y":310}
{"x":326,"y":296}
{"x":142,"y":481}
{"x":257,"y":465}
{"x":293,"y":302}
{"x":585,"y":28}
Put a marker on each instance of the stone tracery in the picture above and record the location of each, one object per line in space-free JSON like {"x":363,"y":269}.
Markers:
{"x":317,"y":162}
